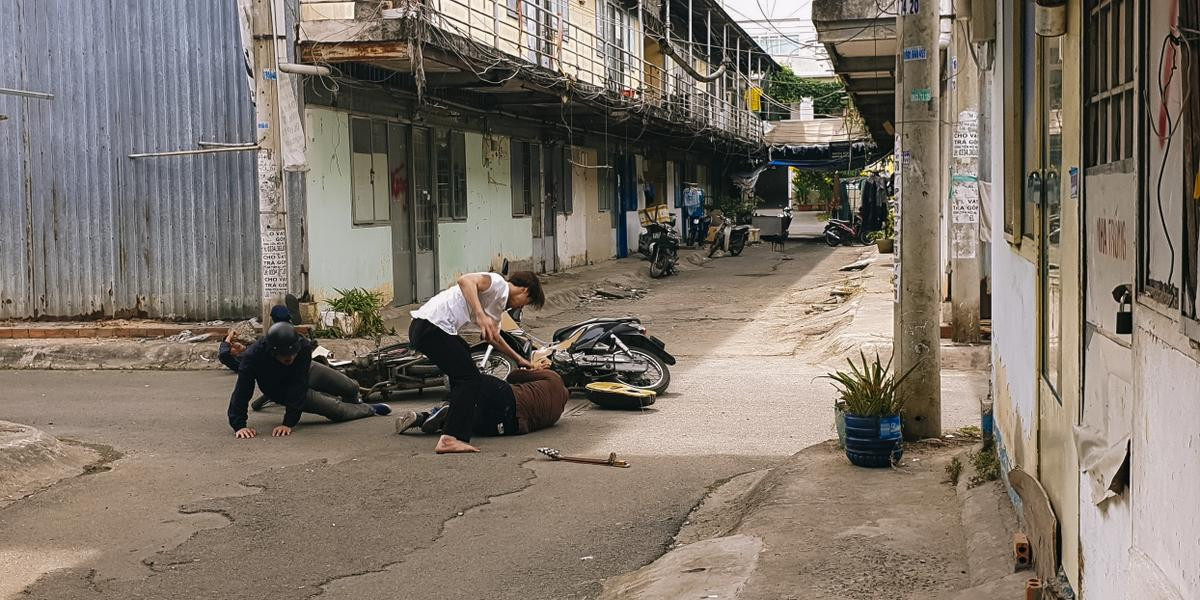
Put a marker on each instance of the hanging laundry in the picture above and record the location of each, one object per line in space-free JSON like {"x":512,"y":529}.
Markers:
{"x":754,"y":98}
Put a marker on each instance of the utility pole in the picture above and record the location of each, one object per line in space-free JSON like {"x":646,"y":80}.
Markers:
{"x":964,"y":190}
{"x":272,"y":208}
{"x":918,"y":308}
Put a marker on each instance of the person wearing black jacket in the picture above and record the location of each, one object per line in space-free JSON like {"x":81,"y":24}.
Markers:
{"x":231,"y":348}
{"x":279,"y":363}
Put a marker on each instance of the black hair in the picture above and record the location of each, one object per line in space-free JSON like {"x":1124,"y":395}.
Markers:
{"x":529,"y":280}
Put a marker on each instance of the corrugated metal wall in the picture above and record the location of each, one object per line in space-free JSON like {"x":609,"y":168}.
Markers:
{"x":85,"y":230}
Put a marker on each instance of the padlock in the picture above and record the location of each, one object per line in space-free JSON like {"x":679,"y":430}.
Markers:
{"x":1125,"y":315}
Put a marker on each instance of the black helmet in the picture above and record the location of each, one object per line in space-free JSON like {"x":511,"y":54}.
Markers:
{"x":282,"y":339}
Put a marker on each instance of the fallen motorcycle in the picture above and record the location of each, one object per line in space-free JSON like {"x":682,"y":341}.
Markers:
{"x":605,"y":349}
{"x":400,"y":367}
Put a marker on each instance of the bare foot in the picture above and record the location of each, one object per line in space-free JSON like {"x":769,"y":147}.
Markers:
{"x":450,"y":445}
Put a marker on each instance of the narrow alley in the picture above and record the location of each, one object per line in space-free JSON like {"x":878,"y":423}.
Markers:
{"x":355,"y":511}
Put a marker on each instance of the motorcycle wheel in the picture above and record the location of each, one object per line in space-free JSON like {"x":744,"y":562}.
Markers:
{"x":498,"y":365}
{"x":867,"y":238}
{"x":832,"y":239}
{"x":716,"y":244}
{"x":656,"y":378}
{"x":659,"y":264}
{"x":737,"y":246}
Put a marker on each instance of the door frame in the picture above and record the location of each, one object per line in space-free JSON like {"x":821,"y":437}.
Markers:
{"x":1058,"y":407}
{"x":412,"y":150}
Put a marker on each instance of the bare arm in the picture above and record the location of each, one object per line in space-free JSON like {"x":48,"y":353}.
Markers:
{"x":471,"y":286}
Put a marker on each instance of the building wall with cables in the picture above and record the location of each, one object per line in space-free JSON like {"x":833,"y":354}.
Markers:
{"x":490,"y":232}
{"x":342,"y":255}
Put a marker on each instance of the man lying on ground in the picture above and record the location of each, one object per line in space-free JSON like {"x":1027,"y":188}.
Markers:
{"x":281,"y":365}
{"x":530,"y":400}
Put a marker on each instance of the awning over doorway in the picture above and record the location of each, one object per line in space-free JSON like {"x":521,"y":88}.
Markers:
{"x":822,"y":145}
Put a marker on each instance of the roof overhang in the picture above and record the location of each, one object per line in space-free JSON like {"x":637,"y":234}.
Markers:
{"x":861,"y":42}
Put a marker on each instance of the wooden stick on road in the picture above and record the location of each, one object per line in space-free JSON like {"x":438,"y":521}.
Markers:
{"x":611,"y":461}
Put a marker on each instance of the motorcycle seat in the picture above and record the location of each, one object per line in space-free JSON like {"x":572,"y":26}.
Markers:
{"x":565,"y":331}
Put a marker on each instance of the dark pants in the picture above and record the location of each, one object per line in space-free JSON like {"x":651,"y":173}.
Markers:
{"x":333,"y":395}
{"x":329,"y":380}
{"x":320,"y":403}
{"x":496,"y":410}
{"x":452,"y":355}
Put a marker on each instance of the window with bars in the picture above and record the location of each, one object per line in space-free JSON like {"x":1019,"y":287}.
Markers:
{"x":606,"y":179}
{"x":450,"y":159}
{"x":1110,"y":102}
{"x":369,"y":175}
{"x":526,"y":176}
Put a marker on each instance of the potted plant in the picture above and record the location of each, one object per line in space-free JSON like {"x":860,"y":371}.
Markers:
{"x":867,"y":401}
{"x":886,"y":242}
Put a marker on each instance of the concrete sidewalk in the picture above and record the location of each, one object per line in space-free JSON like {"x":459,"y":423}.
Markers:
{"x":817,"y":527}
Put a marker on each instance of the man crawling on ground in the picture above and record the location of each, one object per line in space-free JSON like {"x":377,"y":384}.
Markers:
{"x":531,"y":399}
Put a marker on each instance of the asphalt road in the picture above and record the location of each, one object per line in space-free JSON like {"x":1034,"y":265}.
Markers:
{"x":352,"y":510}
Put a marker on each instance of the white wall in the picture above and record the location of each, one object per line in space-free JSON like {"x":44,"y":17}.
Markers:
{"x":633,"y":223}
{"x":1165,"y":469}
{"x":490,"y":233}
{"x":571,"y":239}
{"x":1014,"y":315}
{"x":341,"y":255}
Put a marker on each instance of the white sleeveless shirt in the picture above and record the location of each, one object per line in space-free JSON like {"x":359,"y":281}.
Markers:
{"x":450,"y":312}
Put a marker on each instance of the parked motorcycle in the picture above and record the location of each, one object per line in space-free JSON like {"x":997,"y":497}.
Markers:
{"x":838,"y":232}
{"x":660,"y":244}
{"x":737,"y":235}
{"x":697,"y":231}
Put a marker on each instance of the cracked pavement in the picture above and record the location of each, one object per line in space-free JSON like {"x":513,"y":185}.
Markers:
{"x":352,"y":510}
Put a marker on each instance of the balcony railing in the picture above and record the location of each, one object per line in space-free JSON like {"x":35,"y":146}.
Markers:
{"x":554,"y":44}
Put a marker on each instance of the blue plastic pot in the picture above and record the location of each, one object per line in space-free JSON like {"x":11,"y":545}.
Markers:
{"x":873,"y":441}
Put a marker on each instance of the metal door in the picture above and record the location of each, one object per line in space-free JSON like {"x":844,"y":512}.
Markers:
{"x":542,"y":212}
{"x":424,"y":216}
{"x":403,"y":249}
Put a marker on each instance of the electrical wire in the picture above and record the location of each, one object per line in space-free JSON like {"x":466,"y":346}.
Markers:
{"x":1171,"y":129}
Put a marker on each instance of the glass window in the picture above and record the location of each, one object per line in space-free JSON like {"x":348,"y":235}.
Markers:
{"x":458,"y":169}
{"x":1030,"y":122}
{"x":369,"y":175}
{"x":526,"y":177}
{"x":442,"y":180}
{"x":1051,"y":255}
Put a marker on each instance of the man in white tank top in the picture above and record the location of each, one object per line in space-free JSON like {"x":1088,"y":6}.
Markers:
{"x":479,"y":299}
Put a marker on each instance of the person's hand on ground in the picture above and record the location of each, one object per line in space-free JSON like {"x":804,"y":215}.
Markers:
{"x":281,"y":431}
{"x":230,"y":335}
{"x":245,"y":433}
